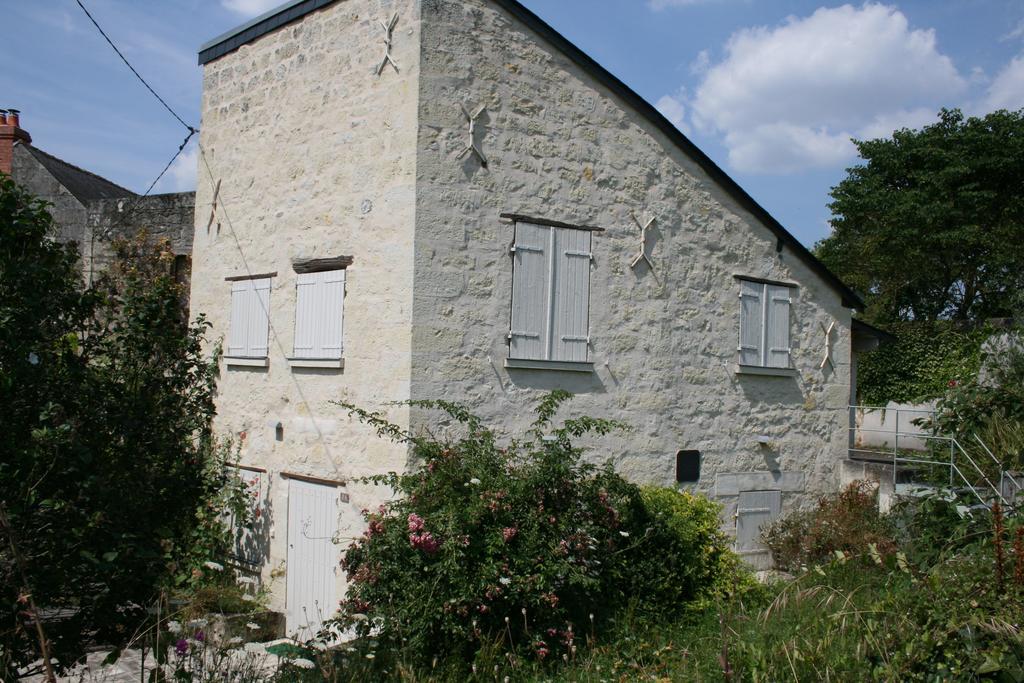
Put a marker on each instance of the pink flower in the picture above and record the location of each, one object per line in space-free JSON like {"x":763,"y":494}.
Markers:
{"x":415,"y":522}
{"x":425,"y":541}
{"x":508,"y":533}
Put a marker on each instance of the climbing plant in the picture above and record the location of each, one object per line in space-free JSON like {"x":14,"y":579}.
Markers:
{"x":921,"y":363}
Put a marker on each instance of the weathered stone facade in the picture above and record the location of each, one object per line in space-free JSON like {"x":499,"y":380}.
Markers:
{"x":91,"y":211}
{"x":318,"y":155}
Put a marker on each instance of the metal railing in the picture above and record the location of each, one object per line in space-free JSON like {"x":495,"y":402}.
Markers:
{"x":921,"y":441}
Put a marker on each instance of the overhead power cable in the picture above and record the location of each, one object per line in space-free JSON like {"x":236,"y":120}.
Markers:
{"x":209,"y":172}
{"x":129,"y":65}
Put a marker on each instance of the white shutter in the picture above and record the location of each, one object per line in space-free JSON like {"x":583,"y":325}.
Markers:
{"x":751,"y":323}
{"x":259,"y":318}
{"x":777,"y":326}
{"x":570,"y":340}
{"x":319,"y":306}
{"x":531,"y":281}
{"x":237,"y":331}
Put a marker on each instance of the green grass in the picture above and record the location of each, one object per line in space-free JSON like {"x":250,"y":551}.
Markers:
{"x":851,"y":619}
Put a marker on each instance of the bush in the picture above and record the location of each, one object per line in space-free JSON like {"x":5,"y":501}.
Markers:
{"x":693,"y":565}
{"x":848,"y":521}
{"x":525,"y":548}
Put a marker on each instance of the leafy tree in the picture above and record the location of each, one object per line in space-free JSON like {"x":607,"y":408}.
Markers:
{"x":932,"y":225}
{"x":107,"y":402}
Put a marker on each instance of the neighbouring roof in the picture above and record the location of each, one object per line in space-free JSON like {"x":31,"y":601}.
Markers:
{"x":862,"y":328}
{"x":296,"y":9}
{"x":85,"y":186}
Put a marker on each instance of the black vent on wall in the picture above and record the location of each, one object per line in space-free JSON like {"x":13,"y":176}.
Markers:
{"x":687,"y":467}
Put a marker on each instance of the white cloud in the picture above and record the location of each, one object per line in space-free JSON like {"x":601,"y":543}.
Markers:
{"x":674,"y":110}
{"x":789,"y":97}
{"x":1018,"y":32}
{"x":700,"y":65}
{"x":181,"y":176}
{"x":1007,"y":88}
{"x":250,"y":8}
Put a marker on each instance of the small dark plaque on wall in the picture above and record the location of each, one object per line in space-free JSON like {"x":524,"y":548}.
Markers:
{"x":687,"y":467}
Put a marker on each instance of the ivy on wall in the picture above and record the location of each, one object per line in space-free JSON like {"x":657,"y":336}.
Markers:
{"x":921,"y":363}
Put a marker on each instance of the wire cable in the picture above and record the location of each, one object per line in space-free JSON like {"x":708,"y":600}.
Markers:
{"x":137,"y":74}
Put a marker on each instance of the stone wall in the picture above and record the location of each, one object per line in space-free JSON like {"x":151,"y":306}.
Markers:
{"x":316,"y":157}
{"x":69,"y":214}
{"x":562,"y":147}
{"x":167,"y":217}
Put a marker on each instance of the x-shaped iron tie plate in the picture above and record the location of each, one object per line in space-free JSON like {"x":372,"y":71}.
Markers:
{"x":642,"y":255}
{"x":471,"y":145}
{"x":389,"y":29}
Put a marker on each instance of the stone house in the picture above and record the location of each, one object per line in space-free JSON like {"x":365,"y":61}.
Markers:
{"x":445,"y":198}
{"x":90,"y":210}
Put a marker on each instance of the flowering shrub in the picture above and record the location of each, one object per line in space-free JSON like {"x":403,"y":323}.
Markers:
{"x":847,"y":521}
{"x":522,"y":547}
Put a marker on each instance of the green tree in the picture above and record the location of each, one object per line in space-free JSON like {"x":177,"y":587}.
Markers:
{"x":931,"y":226}
{"x":107,"y":401}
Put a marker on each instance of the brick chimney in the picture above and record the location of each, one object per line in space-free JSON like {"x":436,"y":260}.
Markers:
{"x":10,"y":131}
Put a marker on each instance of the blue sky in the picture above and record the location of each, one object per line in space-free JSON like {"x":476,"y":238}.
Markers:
{"x":771,"y":90}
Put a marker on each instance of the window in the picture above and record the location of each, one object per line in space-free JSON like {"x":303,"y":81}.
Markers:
{"x":687,"y":467}
{"x":764,"y":324}
{"x":550,"y":294}
{"x":250,"y":321}
{"x":319,"y":308}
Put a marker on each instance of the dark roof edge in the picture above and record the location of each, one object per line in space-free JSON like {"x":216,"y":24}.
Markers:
{"x":261,"y":25}
{"x":610,"y":81}
{"x":861,"y":327}
{"x":35,"y":151}
{"x":298,"y":8}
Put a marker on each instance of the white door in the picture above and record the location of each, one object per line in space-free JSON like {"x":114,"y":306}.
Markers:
{"x":755,"y":510}
{"x":312,"y":556}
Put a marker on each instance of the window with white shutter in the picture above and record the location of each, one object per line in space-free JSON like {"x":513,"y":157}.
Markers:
{"x":550,"y":294}
{"x":764,"y":325}
{"x":249,"y":330}
{"x":319,"y":311}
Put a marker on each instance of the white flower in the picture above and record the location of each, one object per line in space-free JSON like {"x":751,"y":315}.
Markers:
{"x":474,"y":481}
{"x":249,"y":598}
{"x":359,"y":617}
{"x":173,"y":627}
{"x":215,"y":566}
{"x":504,"y":581}
{"x":234,"y":641}
{"x":197,"y":623}
{"x":33,"y":358}
{"x":624,"y":534}
{"x":255,"y":648}
{"x":303,"y":663}
{"x":252,"y":625}
{"x":247,"y":580}
{"x":370,"y":655}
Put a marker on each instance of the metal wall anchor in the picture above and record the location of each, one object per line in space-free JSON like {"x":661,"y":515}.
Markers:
{"x":642,"y":255}
{"x":471,"y":145}
{"x":389,"y":29}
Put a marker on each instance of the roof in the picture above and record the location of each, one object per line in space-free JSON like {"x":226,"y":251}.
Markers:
{"x":862,"y":328}
{"x":84,"y":185}
{"x":296,"y":9}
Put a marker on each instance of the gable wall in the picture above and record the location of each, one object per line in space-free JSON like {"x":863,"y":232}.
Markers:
{"x":68,"y":213}
{"x":664,"y":344}
{"x":315,"y":154}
